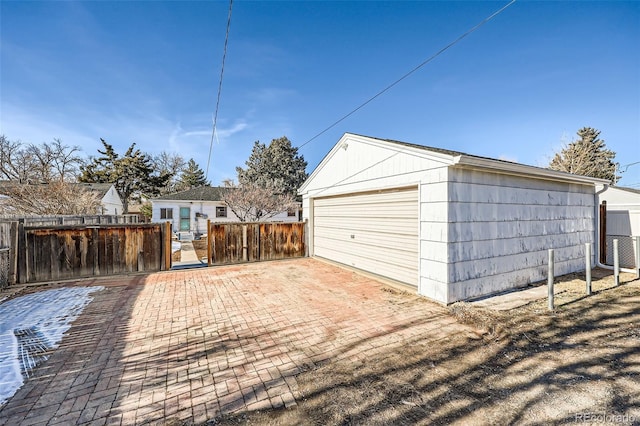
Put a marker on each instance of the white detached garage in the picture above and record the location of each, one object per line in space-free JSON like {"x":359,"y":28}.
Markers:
{"x":453,"y":226}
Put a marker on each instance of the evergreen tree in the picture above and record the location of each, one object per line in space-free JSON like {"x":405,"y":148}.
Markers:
{"x":277,"y":166}
{"x":192,"y":176}
{"x":587,"y":156}
{"x":132,"y":174}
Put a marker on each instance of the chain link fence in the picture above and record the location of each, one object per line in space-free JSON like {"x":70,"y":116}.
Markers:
{"x":4,"y":268}
{"x":626,"y":250}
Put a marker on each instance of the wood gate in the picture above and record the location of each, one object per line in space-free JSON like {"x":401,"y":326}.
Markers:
{"x":252,"y":242}
{"x":67,"y":252}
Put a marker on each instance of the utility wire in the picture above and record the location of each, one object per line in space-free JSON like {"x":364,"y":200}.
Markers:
{"x":431,"y":58}
{"x":215,"y":116}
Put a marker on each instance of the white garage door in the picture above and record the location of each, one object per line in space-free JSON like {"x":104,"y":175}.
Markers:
{"x":375,"y":231}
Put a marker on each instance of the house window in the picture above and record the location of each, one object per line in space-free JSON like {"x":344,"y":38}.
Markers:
{"x":221,"y":211}
{"x":291,"y":212}
{"x":166,"y":213}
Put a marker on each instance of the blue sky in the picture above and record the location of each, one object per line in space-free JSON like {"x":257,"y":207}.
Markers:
{"x":147,"y":72}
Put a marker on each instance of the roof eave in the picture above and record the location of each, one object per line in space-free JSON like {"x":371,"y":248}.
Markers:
{"x":524,"y":170}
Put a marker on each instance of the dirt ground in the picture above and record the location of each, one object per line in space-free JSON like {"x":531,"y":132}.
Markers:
{"x":579,"y":363}
{"x":200,"y":246}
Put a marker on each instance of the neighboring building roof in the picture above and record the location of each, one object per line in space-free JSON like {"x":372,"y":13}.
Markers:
{"x":100,"y":188}
{"x":202,"y":193}
{"x":624,"y":188}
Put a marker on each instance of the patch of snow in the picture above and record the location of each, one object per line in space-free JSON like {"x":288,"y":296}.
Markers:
{"x":175,"y":246}
{"x":32,"y":325}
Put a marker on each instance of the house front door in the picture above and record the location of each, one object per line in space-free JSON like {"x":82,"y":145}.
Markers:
{"x":185,"y":214}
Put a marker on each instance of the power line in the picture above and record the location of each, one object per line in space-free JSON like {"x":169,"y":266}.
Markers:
{"x":431,"y":58}
{"x":215,"y":116}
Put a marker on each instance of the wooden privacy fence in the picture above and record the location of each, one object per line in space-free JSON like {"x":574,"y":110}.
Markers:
{"x":67,"y":252}
{"x":46,"y":221}
{"x":251,"y":242}
{"x":8,"y":254}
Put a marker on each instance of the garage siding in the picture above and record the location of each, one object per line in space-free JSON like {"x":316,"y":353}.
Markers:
{"x":501,"y":227}
{"x":376,"y":232}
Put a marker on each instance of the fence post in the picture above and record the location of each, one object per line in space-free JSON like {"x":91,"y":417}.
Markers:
{"x":550,"y":279}
{"x":95,"y":249}
{"x":13,"y":253}
{"x":603,"y":232}
{"x":21,"y":248}
{"x":167,"y":249}
{"x":208,"y":242}
{"x":587,"y":260}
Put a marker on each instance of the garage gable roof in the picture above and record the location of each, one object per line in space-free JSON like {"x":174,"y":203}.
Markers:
{"x":458,"y":159}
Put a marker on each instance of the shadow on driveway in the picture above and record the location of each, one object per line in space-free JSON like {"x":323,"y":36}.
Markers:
{"x":191,"y":345}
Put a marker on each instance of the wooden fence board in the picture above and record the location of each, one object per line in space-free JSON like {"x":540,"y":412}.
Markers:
{"x":66,"y":252}
{"x":264,"y":241}
{"x":253,"y":242}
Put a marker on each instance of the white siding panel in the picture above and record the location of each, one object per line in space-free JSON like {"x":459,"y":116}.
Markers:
{"x":500,"y":228}
{"x":376,"y":232}
{"x":435,"y":271}
{"x":623,"y":222}
{"x":435,"y":289}
{"x":473,"y":288}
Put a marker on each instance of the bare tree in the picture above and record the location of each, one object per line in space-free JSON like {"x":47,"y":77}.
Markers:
{"x":65,"y":160}
{"x":43,"y":163}
{"x":251,"y":203}
{"x":15,"y":161}
{"x":172,"y":164}
{"x":39,"y":180}
{"x":54,"y":198}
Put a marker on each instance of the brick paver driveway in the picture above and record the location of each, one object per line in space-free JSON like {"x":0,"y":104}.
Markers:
{"x":190,"y":345}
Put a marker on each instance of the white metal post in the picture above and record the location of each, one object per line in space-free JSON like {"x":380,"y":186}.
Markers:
{"x":587,"y":260}
{"x":550,"y":279}
{"x":616,"y":263}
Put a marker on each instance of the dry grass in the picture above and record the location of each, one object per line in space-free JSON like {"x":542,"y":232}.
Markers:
{"x":529,"y":366}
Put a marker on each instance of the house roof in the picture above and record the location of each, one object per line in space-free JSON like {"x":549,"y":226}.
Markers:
{"x":625,"y":188}
{"x":461,"y":159}
{"x":202,"y":193}
{"x":100,"y":188}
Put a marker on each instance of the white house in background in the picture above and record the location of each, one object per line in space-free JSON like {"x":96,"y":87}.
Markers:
{"x":623,"y":223}
{"x":188,"y":211}
{"x":450,"y":225}
{"x":110,"y":200}
{"x":621,"y":198}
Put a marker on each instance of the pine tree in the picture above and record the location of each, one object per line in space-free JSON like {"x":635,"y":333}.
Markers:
{"x":132,"y":174}
{"x":587,"y":156}
{"x":192,"y":176}
{"x":278,"y":167}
